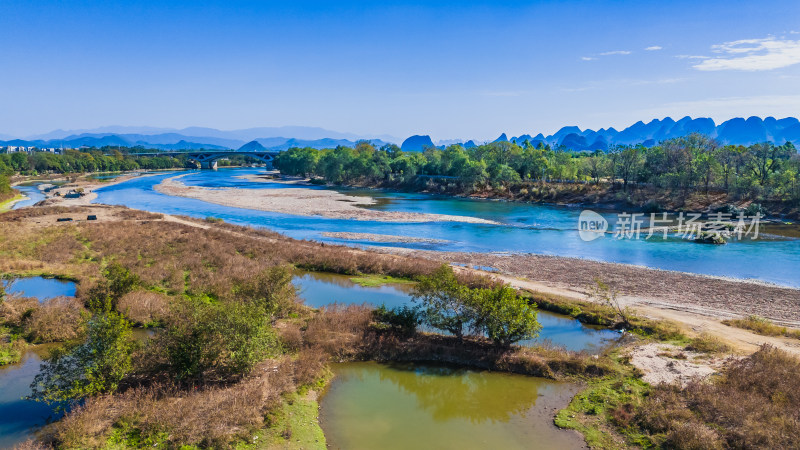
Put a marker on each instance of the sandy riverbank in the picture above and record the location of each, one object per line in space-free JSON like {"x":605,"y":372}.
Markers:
{"x":700,"y":294}
{"x":386,"y":238}
{"x":303,"y":202}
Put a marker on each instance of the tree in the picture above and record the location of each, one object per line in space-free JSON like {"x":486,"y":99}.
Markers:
{"x":627,"y":163}
{"x":96,"y":366}
{"x":446,"y":304}
{"x":504,"y":316}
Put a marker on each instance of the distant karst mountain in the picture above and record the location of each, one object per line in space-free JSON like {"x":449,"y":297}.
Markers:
{"x":738,"y":131}
{"x":416,"y":143}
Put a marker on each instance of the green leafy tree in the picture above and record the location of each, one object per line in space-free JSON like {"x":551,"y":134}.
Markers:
{"x":95,"y":366}
{"x":446,"y":304}
{"x":504,"y":316}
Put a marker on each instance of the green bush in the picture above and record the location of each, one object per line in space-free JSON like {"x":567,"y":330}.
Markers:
{"x":504,"y":316}
{"x":403,"y":319}
{"x":216,"y":340}
{"x":93,"y":367}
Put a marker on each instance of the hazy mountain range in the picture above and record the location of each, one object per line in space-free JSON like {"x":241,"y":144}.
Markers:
{"x":734,"y":131}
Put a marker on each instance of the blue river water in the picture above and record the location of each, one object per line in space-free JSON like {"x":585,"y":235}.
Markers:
{"x":32,"y":194}
{"x":522,"y":227}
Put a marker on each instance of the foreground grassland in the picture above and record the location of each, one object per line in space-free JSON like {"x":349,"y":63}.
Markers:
{"x":235,"y":361}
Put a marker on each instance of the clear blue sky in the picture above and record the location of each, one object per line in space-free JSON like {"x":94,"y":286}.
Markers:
{"x":449,"y":69}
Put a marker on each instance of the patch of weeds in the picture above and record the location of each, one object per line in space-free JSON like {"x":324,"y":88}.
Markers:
{"x":762,"y":326}
{"x":604,"y":413}
{"x":379,"y":280}
{"x":706,"y":343}
{"x":294,"y":425}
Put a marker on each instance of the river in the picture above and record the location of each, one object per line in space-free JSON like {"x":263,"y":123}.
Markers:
{"x":522,"y":227}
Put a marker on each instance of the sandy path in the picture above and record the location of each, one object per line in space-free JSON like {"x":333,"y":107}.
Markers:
{"x":303,"y":202}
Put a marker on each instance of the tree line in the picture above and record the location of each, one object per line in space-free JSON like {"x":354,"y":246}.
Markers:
{"x":105,"y":159}
{"x":688,"y":164}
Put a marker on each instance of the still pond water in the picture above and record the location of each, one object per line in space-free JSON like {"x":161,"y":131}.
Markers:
{"x":399,"y":406}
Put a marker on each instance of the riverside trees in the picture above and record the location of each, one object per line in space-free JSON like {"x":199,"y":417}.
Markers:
{"x":761,"y":172}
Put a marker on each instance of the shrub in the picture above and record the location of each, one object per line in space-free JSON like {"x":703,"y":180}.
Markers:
{"x":504,"y":316}
{"x":15,"y":310}
{"x":291,"y":336}
{"x":310,"y":365}
{"x":762,"y":326}
{"x":707,"y":343}
{"x":446,"y":303}
{"x":93,"y":367}
{"x":338,"y":329}
{"x":117,"y":282}
{"x":11,"y":352}
{"x":403,"y":319}
{"x":56,"y":320}
{"x":752,"y":404}
{"x":271,"y":290}
{"x":218,"y":340}
{"x":493,"y":309}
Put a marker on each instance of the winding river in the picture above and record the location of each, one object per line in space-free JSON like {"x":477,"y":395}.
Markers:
{"x":521,"y":227}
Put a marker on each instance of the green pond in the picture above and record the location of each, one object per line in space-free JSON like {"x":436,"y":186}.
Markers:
{"x":372,"y":405}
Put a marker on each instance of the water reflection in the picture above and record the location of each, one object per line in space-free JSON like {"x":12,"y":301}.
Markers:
{"x":39,"y":287}
{"x":320,"y":289}
{"x":20,"y":418}
{"x":371,"y":405}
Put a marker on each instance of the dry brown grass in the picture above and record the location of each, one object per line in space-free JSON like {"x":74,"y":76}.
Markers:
{"x":56,"y":320}
{"x":14,"y":310}
{"x":144,"y":307}
{"x":752,"y":404}
{"x":212,"y":416}
{"x":338,"y":329}
{"x":310,"y":365}
{"x":291,"y":336}
{"x":708,"y":343}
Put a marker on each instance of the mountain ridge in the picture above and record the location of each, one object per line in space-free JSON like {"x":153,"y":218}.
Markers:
{"x":738,"y":131}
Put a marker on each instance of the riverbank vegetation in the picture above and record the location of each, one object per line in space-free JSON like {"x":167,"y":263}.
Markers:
{"x":7,"y":193}
{"x":104,"y":159}
{"x":231,"y":345}
{"x":762,"y":326}
{"x":693,"y":172}
{"x":234,"y":360}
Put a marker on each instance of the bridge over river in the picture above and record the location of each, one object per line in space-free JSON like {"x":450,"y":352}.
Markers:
{"x":207,"y":159}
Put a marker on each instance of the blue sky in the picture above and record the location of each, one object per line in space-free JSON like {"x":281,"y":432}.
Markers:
{"x":449,"y":69}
